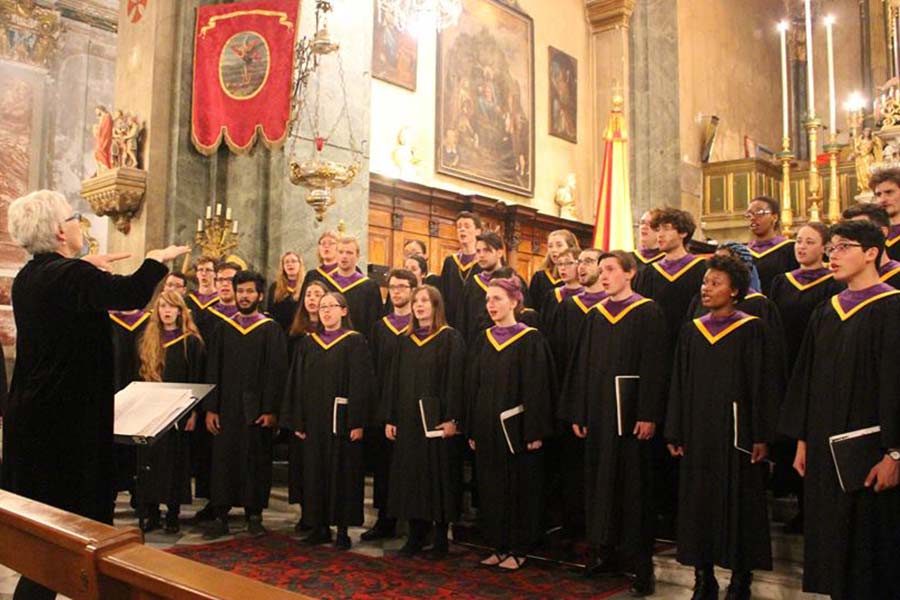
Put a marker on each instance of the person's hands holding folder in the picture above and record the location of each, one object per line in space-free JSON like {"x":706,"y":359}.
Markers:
{"x":266,"y":420}
{"x":885,"y":475}
{"x":449,"y":428}
{"x":300,"y":434}
{"x":535,"y":445}
{"x":191,"y":422}
{"x":760,"y":451}
{"x":800,"y":458}
{"x":390,"y":432}
{"x":579,"y":430}
{"x":676,"y":450}
{"x":356,"y":434}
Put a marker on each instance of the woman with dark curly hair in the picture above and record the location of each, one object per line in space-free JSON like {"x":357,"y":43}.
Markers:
{"x":720,"y":421}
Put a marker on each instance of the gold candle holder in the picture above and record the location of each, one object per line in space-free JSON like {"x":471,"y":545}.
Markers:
{"x":814,"y":193}
{"x":217,"y":235}
{"x":833,"y":148}
{"x":787,"y":210}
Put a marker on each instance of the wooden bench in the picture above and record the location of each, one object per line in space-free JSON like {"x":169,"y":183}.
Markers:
{"x":84,"y":559}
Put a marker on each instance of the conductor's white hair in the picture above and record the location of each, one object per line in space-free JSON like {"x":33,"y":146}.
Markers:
{"x":34,"y":220}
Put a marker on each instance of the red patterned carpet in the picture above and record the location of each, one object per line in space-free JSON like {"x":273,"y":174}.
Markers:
{"x":323,"y":572}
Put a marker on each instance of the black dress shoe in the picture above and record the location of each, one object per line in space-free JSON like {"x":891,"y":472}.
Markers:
{"x":410,"y":549}
{"x":643,"y":586}
{"x":216,"y":529}
{"x":342,"y":541}
{"x":705,"y":585}
{"x":321,"y":535}
{"x":302,"y":527}
{"x":255,"y":526}
{"x":207,"y":513}
{"x":172,"y":524}
{"x":151,"y":523}
{"x":601,"y":567}
{"x":383,"y":530}
{"x":739,"y":588}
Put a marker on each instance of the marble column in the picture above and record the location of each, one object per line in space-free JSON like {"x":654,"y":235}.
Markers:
{"x":272,"y":214}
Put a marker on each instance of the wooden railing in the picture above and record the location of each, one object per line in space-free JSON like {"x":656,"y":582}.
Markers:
{"x":84,"y":559}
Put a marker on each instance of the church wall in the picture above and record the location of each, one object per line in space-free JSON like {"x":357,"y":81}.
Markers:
{"x":560,"y":24}
{"x":728,"y":66}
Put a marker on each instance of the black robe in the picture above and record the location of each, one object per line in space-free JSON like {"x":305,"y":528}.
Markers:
{"x":363,"y":301}
{"x":198,"y":310}
{"x":673,"y":294}
{"x":473,"y":316}
{"x":453,"y":279}
{"x":846,"y":379}
{"x":383,"y":343}
{"x":317,"y":274}
{"x":541,"y":283}
{"x":249,"y":368}
{"x":796,"y":303}
{"x":617,"y":469}
{"x":283,"y":312}
{"x":891,"y":245}
{"x":430,"y":279}
{"x":722,"y":513}
{"x":510,"y":486}
{"x":168,"y":459}
{"x":643,"y":263}
{"x":332,"y":465}
{"x":58,"y":425}
{"x":425,"y":472}
{"x":778,"y":259}
{"x":892,"y":278}
{"x":125,"y":365}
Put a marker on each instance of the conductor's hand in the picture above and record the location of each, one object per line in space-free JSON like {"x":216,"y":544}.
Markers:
{"x":390,"y":432}
{"x":167,"y":254}
{"x":191,"y":422}
{"x":103,"y":261}
{"x":449,"y":428}
{"x":266,"y":420}
{"x":644,"y":430}
{"x":212,"y":423}
{"x":356,"y":434}
{"x":800,"y":459}
{"x":675,"y":450}
{"x":885,"y":475}
{"x":472,"y":445}
{"x":760,"y":452}
{"x":300,"y":434}
{"x":535,"y":445}
{"x":579,"y":431}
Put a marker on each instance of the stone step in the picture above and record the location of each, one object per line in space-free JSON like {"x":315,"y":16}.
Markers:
{"x":784,"y":582}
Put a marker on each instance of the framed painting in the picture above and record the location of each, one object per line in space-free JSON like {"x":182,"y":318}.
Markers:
{"x":484,"y":129}
{"x":394,"y":54}
{"x":563,"y":78}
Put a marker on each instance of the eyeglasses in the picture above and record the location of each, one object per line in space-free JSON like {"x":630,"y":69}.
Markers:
{"x":224,"y":279}
{"x":75,"y":217}
{"x":840,"y":247}
{"x":757,"y":213}
{"x":586,"y":261}
{"x":328,"y":306}
{"x":567,"y":263}
{"x":399,"y":286}
{"x":205,"y":270}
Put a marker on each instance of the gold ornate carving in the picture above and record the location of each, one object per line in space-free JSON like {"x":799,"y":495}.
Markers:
{"x":29,"y":33}
{"x":117,"y":193}
{"x":608,"y":14}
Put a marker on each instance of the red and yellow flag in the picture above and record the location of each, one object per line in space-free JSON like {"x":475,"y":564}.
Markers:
{"x":243,"y":62}
{"x":613,"y":229}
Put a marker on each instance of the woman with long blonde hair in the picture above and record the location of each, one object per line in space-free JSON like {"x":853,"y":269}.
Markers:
{"x":284,"y":293}
{"x":548,"y":277}
{"x":170,"y":350}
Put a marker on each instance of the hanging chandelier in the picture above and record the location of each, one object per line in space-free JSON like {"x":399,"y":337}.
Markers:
{"x":404,"y":13}
{"x":318,"y":174}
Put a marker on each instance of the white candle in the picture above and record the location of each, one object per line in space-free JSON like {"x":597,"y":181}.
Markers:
{"x":218,"y":210}
{"x":228,"y":213}
{"x":785,"y":100}
{"x":199,"y":225}
{"x":234,"y":227}
{"x":832,"y":100}
{"x":208,"y":212}
{"x":810,"y":78}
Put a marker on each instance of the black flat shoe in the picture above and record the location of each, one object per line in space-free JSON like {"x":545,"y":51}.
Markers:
{"x":601,"y":567}
{"x":205,"y":514}
{"x":151,"y":523}
{"x":172,"y":524}
{"x":216,"y":529}
{"x":255,"y":526}
{"x":342,"y":541}
{"x":643,"y":586}
{"x":382,"y":530}
{"x":318,"y":536}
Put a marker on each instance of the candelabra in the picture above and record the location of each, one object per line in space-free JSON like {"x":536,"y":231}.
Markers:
{"x":814,"y":193}
{"x":787,"y":211}
{"x":833,"y":148}
{"x":216,"y":235}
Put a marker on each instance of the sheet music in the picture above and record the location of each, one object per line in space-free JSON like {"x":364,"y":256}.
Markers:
{"x":143,"y":410}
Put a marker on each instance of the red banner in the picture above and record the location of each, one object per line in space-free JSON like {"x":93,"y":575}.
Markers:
{"x":243,"y":62}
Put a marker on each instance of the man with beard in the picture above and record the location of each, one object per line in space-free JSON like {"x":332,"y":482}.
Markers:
{"x":248,"y":364}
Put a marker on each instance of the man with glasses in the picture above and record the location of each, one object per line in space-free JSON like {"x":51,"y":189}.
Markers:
{"x":383,"y":342}
{"x":885,"y":185}
{"x":206,"y":294}
{"x":845,"y":380}
{"x":888,"y":268}
{"x":773,"y":253}
{"x":175,"y":282}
